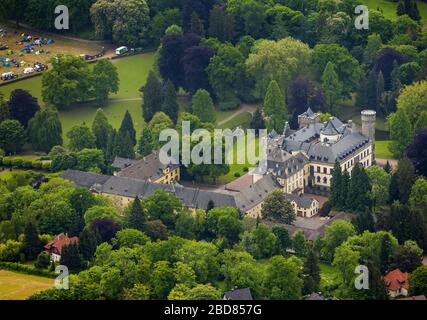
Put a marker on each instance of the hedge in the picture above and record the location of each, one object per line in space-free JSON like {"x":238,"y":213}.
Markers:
{"x":19,"y":162}
{"x":27,"y":269}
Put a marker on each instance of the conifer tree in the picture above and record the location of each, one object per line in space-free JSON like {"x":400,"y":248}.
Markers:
{"x":123,"y":146}
{"x":136,"y":217}
{"x":145,"y":146}
{"x":203,"y":107}
{"x":127,"y":128}
{"x":275,"y":108}
{"x":380,"y":98}
{"x":257,"y":122}
{"x":101,"y":129}
{"x":31,"y":245}
{"x":311,"y":273}
{"x":71,"y":258}
{"x":152,"y":97}
{"x":87,"y":244}
{"x":170,"y":105}
{"x":332,"y":87}
{"x":336,"y":187}
{"x":4,"y":110}
{"x":196,"y":25}
{"x":386,"y":252}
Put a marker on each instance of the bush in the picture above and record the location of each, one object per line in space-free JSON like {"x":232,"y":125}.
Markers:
{"x":237,"y":175}
{"x":7,"y":161}
{"x":17,"y":162}
{"x":46,"y":166}
{"x":43,"y":261}
{"x":245,"y":169}
{"x":37,"y":164}
{"x":325,"y":209}
{"x":28,"y":164}
{"x":26,"y":269}
{"x":231,"y":104}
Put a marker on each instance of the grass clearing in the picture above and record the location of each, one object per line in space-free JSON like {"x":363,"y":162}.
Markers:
{"x":389,"y":8}
{"x":243,"y":120}
{"x":382,"y":151}
{"x":18,"y":286}
{"x":329,"y":275}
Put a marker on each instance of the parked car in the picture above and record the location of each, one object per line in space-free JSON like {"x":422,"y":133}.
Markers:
{"x":122,"y":50}
{"x":29,"y":70}
{"x":8,"y":76}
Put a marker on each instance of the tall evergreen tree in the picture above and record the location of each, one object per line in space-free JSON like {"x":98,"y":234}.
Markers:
{"x":145,"y":146}
{"x":257,"y":122}
{"x":128,"y":128}
{"x":336,"y":187}
{"x":400,"y":133}
{"x":311,"y":273}
{"x":203,"y":107}
{"x":386,"y":252}
{"x":45,"y":129}
{"x":410,"y":8}
{"x":275,"y":107}
{"x":402,"y":181}
{"x":380,"y":97}
{"x":136,"y":217}
{"x":71,"y":258}
{"x":170,"y":105}
{"x":31,"y":245}
{"x":152,"y":97}
{"x":87,"y":244}
{"x":345,"y":185}
{"x":101,"y":129}
{"x":358,"y":193}
{"x":123,"y":146}
{"x":332,"y":87}
{"x":110,"y":152}
{"x":4,"y":110}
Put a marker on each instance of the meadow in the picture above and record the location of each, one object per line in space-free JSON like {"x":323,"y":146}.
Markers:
{"x":388,"y":8}
{"x":18,"y":286}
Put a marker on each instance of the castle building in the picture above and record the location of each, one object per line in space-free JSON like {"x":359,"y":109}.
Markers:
{"x":304,"y":159}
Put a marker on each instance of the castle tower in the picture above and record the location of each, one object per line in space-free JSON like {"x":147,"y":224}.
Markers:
{"x":369,"y":118}
{"x":308,"y":118}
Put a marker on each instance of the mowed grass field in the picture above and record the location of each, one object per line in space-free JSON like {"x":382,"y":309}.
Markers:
{"x":388,"y":8}
{"x":382,"y":151}
{"x":18,"y":286}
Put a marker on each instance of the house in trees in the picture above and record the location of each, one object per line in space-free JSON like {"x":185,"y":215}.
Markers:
{"x":54,"y":247}
{"x":304,"y":159}
{"x":397,"y":283}
{"x":149,"y":168}
{"x":238,"y":294}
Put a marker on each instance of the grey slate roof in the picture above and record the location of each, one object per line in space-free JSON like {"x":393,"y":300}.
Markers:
{"x":148,"y":168}
{"x":301,"y":201}
{"x":309,"y":113}
{"x":85,"y":179}
{"x":121,"y":163}
{"x":255,"y":194}
{"x":238,"y":294}
{"x":284,"y":164}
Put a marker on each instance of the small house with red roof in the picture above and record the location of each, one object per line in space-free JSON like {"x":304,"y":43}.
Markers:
{"x":397,"y":283}
{"x":54,"y":247}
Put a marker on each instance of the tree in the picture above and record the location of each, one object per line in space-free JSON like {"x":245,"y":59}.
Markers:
{"x":87,"y":244}
{"x":410,"y":8}
{"x":400,"y":133}
{"x":203,"y":107}
{"x":417,"y":153}
{"x":81,"y":137}
{"x":364,"y":221}
{"x":106,"y":228}
{"x":282,"y":281}
{"x":22,"y":106}
{"x":123,"y":146}
{"x":153,"y":97}
{"x":67,"y":82}
{"x":346,"y":259}
{"x":407,"y":257}
{"x":227,"y":73}
{"x":418,"y":196}
{"x":107,"y":17}
{"x":156,"y":230}
{"x":280,"y":61}
{"x":159,"y":123}
{"x":195,"y":63}
{"x":278,"y":208}
{"x":105,"y":79}
{"x":145,"y":146}
{"x":4,"y":109}
{"x":275,"y":107}
{"x":196,"y":25}
{"x":311,"y":273}
{"x":138,"y":292}
{"x":45,"y":129}
{"x":101,"y":129}
{"x":335,"y":235}
{"x":170,"y":105}
{"x":337,"y":196}
{"x":257,"y":122}
{"x":421,"y":122}
{"x":99,"y":211}
{"x":163,"y":206}
{"x":71,"y":258}
{"x":127,"y":128}
{"x":387,"y":61}
{"x":405,"y":178}
{"x":408,"y":72}
{"x":299,"y":244}
{"x":43,"y":260}
{"x":136,"y":216}
{"x":372,"y":48}
{"x":284,"y":240}
{"x":12,"y":136}
{"x":31,"y":246}
{"x":386,"y":252}
{"x":331,"y":86}
{"x":348,"y":69}
{"x":418,"y":281}
{"x":203,"y":292}
{"x":358,"y":197}
{"x":221,"y":24}
{"x":380,"y":181}
{"x":129,"y":238}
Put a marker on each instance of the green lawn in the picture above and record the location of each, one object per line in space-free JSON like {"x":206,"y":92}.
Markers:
{"x":18,"y":286}
{"x":389,"y":8}
{"x":382,"y":151}
{"x":243,"y":120}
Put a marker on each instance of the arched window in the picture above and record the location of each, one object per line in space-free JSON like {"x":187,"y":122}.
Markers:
{"x":318,"y":179}
{"x":325,"y":180}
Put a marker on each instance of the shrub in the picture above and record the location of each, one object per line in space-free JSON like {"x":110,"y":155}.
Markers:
{"x":17,"y":162}
{"x":26,"y":269}
{"x":37,"y":164}
{"x":245,"y":169}
{"x":46,"y":166}
{"x":237,"y":175}
{"x":28,"y":164}
{"x":43,"y":261}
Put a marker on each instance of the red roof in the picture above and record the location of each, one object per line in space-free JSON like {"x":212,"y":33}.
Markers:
{"x":55,"y":246}
{"x":396,"y":280}
{"x":415,"y":298}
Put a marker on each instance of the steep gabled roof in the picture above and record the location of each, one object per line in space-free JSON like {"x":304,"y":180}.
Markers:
{"x":238,"y":294}
{"x":396,"y":280}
